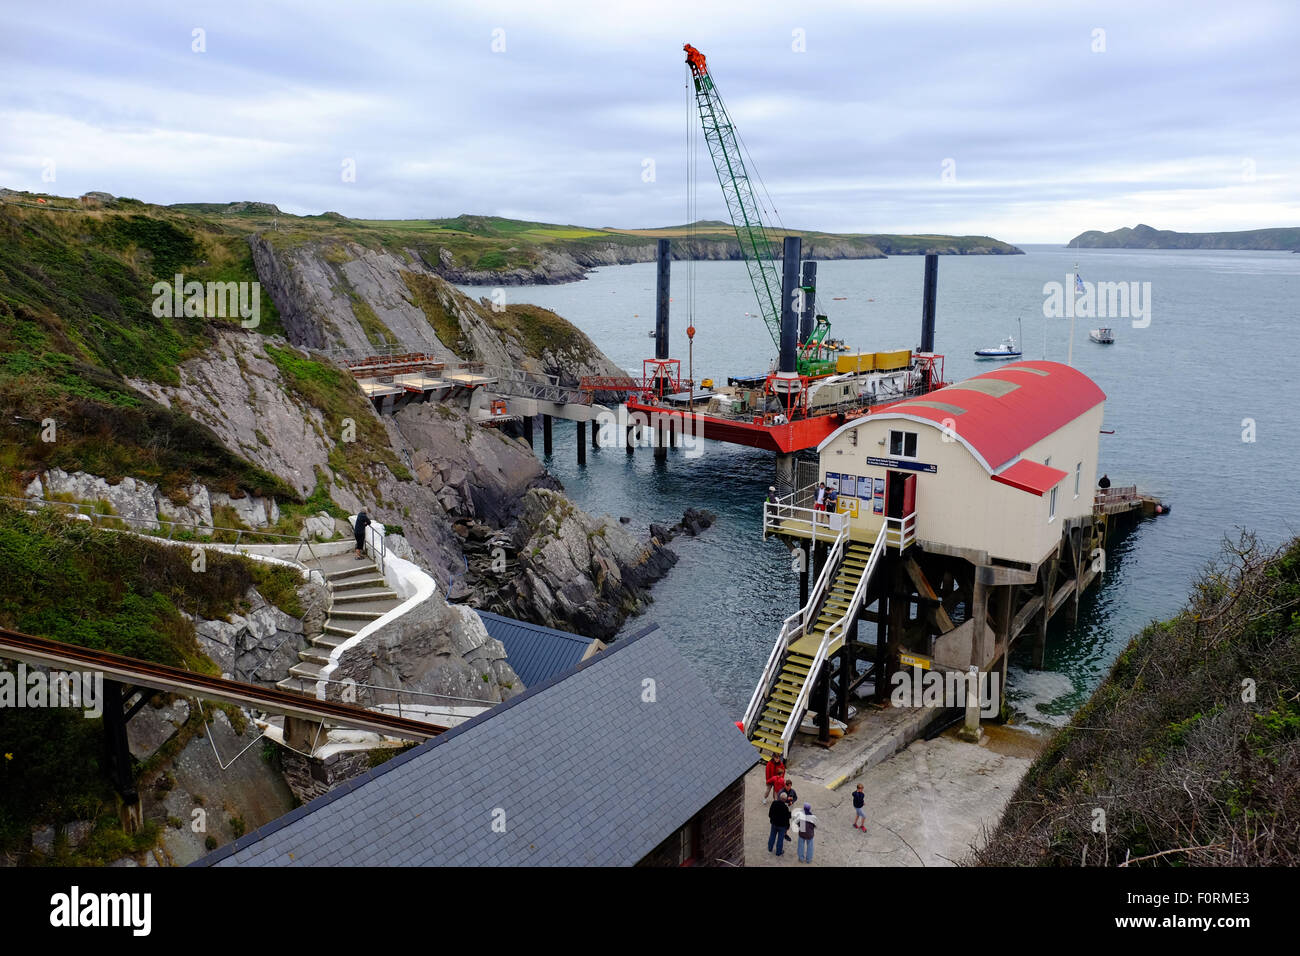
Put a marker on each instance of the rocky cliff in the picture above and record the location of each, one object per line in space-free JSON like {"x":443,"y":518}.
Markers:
{"x":570,"y":263}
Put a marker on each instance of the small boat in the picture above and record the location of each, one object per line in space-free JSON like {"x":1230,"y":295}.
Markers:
{"x":1007,"y":349}
{"x":1102,"y":336}
{"x":809,"y":726}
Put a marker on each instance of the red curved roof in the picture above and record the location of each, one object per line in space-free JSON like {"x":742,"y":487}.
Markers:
{"x":998,"y":414}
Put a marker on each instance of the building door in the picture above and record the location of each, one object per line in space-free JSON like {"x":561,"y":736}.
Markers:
{"x":900,"y":494}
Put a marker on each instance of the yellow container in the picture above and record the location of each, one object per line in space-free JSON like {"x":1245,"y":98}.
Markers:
{"x":855,"y":363}
{"x":899,"y":358}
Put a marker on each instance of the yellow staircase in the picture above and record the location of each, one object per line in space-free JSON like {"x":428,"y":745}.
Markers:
{"x":796,"y":669}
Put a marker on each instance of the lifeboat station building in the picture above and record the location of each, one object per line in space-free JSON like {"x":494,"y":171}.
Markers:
{"x":955,"y":522}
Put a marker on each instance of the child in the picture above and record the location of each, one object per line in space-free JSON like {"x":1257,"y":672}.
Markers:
{"x":860,"y":815}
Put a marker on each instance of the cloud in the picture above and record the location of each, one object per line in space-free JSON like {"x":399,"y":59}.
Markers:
{"x":552,"y":109}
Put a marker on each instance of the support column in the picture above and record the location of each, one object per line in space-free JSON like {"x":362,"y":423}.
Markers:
{"x":631,"y":446}
{"x":660,"y":440}
{"x":803,"y":573}
{"x":582,"y":442}
{"x":847,"y":665}
{"x":116,"y":747}
{"x":970,"y":730}
{"x":300,"y":733}
{"x":546,"y":434}
{"x":899,"y":602}
{"x":822,"y":703}
{"x":1040,"y":635}
{"x":595,"y":433}
{"x":528,"y":430}
{"x":882,"y":642}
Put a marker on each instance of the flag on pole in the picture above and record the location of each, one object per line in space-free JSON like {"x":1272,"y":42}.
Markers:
{"x":1078,"y":283}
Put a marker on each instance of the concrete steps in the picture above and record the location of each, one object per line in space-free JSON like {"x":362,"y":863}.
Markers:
{"x":358,"y":596}
{"x":796,"y":669}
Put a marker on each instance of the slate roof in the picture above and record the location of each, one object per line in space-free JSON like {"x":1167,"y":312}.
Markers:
{"x":583,"y":770}
{"x":535,"y":653}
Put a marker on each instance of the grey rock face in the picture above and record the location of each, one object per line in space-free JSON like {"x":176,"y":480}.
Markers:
{"x":435,"y":648}
{"x":78,"y":831}
{"x":257,"y":647}
{"x":136,"y":501}
{"x":576,"y":572}
{"x":43,"y":840}
{"x":151,"y":727}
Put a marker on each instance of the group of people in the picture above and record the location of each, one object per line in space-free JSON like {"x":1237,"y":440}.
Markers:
{"x":781,"y":816}
{"x":827,"y":498}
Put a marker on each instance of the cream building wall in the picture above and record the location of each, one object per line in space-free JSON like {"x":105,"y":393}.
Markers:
{"x":960,"y":505}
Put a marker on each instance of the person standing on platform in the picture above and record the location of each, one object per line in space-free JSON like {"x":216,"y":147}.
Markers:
{"x":363,"y":522}
{"x":778,"y":814}
{"x":775,"y":776}
{"x":805,"y":825}
{"x":859,"y":811}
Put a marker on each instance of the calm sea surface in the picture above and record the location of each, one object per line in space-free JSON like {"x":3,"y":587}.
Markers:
{"x":1222,"y":347}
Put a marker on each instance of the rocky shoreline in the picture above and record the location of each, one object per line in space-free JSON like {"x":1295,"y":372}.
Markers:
{"x":561,"y":265}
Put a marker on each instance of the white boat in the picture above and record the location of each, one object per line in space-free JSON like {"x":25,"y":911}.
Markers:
{"x":1102,"y":336}
{"x":1007,"y":349}
{"x":809,"y":723}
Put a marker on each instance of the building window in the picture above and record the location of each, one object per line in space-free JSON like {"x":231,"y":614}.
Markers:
{"x":1051,"y":505}
{"x":1078,"y":478}
{"x":902,"y":444}
{"x":687,"y":838}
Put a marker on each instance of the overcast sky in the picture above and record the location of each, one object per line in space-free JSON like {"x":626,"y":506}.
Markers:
{"x":1183,"y":116}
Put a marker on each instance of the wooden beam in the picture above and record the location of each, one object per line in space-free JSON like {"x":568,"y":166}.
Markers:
{"x":1025,"y":615}
{"x":936,"y":612}
{"x":1061,"y":596}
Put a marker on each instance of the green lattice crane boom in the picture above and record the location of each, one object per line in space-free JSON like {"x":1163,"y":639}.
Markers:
{"x":755,"y":246}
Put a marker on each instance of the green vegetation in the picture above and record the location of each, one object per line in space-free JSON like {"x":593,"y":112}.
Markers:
{"x":376,"y":332}
{"x":1190,"y":747}
{"x":540,"y":330}
{"x":424,"y":293}
{"x":77,"y":321}
{"x":1145,"y":237}
{"x":72,"y":582}
{"x":330,"y":389}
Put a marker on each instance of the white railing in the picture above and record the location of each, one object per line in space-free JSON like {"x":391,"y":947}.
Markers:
{"x":831,"y":634}
{"x":784,"y":516}
{"x":900,"y":533}
{"x":794,"y":626}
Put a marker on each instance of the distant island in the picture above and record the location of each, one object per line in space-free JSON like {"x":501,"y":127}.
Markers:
{"x":1144,"y":237}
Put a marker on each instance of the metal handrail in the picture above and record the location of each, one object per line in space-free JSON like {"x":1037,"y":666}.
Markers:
{"x":837,"y":628}
{"x":796,"y":623}
{"x":901,"y":531}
